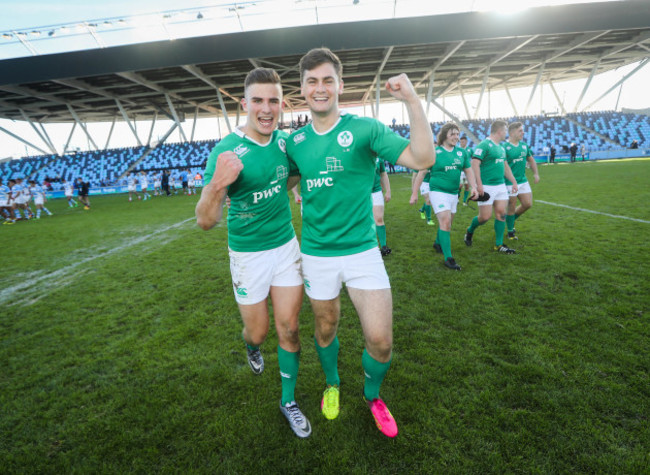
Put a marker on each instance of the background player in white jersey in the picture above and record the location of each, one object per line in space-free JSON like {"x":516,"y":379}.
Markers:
{"x":144,"y":185}
{"x":172,"y":184}
{"x":518,"y":153}
{"x":21,"y":197}
{"x":68,"y":190}
{"x":250,"y":166}
{"x":38,"y":195}
{"x":335,"y":158}
{"x":157,"y":181}
{"x":191,"y":185}
{"x":132,"y":187}
{"x":5,"y":207}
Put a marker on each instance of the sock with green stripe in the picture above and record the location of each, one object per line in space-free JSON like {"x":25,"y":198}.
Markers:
{"x":510,"y":222}
{"x":329,"y":357}
{"x":375,"y":372}
{"x":289,"y":363}
{"x":381,"y":234}
{"x":499,"y":228}
{"x":445,"y":243}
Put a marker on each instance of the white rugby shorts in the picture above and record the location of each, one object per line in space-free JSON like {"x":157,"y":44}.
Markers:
{"x":443,"y":201}
{"x":522,"y":188}
{"x":324,"y":276}
{"x":254,"y":273}
{"x":377,"y":198}
{"x":496,"y":192}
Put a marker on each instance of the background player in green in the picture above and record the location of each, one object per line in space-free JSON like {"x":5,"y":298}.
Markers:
{"x":380,"y":196}
{"x":489,"y":166}
{"x":464,"y":183}
{"x":335,"y":157}
{"x":443,"y":185}
{"x":518,"y":153}
{"x":250,"y":166}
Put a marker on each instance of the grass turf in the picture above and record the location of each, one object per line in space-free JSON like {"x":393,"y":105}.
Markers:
{"x":120,"y":347}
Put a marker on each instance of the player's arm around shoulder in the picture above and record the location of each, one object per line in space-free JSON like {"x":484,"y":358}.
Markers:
{"x":420,"y":153}
{"x":209,"y":209}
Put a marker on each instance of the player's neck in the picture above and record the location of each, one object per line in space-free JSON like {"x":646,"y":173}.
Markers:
{"x":495,"y":139}
{"x":447,"y":147}
{"x":516,"y":144}
{"x":323,"y":123}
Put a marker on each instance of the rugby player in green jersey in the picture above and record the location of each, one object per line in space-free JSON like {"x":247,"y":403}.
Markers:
{"x":335,"y":157}
{"x":464,"y":183}
{"x":443,"y":185}
{"x":518,"y":153}
{"x":250,"y":167}
{"x":425,"y":211}
{"x":490,"y":166}
{"x":380,"y":195}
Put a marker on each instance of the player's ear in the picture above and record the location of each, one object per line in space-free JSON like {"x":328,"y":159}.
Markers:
{"x":244,"y":104}
{"x":283,"y":104}
{"x":340,"y":86}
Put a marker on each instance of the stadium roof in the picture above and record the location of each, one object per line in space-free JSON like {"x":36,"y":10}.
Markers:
{"x":464,"y":52}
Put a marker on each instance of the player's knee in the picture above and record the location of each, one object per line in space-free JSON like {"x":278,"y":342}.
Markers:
{"x":380,"y":346}
{"x":288,"y":333}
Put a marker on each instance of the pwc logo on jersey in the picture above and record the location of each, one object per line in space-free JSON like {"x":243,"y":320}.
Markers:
{"x":345,"y":139}
{"x":241,"y":150}
{"x":265,"y":194}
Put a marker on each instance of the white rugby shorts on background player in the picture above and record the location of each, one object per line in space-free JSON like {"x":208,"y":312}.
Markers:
{"x":443,"y":202}
{"x":496,"y":192}
{"x":4,"y":203}
{"x":521,"y":189}
{"x":424,"y":188}
{"x":254,"y":273}
{"x":377,"y":198}
{"x":463,"y":178}
{"x":324,"y":276}
{"x":131,"y":188}
{"x":39,"y":201}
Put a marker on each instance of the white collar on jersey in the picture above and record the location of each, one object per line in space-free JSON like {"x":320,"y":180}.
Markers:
{"x":341,"y":114}
{"x":241,"y":133}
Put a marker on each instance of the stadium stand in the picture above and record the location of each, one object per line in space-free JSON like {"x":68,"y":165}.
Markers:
{"x":598,"y":131}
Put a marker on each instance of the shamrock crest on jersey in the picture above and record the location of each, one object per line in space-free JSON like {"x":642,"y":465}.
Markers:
{"x":345,"y":138}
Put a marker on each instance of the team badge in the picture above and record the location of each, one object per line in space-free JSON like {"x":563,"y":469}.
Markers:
{"x":345,"y":138}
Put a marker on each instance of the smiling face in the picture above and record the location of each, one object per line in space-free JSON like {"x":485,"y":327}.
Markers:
{"x":517,"y":135}
{"x":263,"y":105}
{"x":452,"y":138}
{"x":321,"y":87}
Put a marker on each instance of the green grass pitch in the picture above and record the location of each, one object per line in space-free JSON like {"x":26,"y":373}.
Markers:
{"x":120,"y":346}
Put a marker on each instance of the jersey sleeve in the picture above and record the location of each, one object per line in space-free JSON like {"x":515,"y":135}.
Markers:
{"x":386,"y":143}
{"x":480,"y":151}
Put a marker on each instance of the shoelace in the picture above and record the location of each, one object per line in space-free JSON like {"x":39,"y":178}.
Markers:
{"x":256,"y":356}
{"x":295,"y":414}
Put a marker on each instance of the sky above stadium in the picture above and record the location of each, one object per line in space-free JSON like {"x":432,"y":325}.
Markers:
{"x":43,"y":17}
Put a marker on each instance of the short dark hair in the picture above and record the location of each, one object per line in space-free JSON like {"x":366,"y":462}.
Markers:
{"x":497,"y":125}
{"x":318,"y":56}
{"x":262,"y":76}
{"x":514,"y":126}
{"x":442,"y":135}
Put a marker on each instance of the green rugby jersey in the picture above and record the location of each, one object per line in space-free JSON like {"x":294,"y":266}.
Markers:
{"x":337,"y":171}
{"x":445,"y":173}
{"x":492,"y":157}
{"x":516,"y":156}
{"x":379,"y":169}
{"x":259,"y":217}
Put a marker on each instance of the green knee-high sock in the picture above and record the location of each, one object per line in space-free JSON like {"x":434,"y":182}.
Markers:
{"x":517,"y":216}
{"x":381,"y":234}
{"x":375,"y":372}
{"x":437,"y":241}
{"x":499,"y":228}
{"x":288,"y":363}
{"x":474,"y":224}
{"x":329,"y":357}
{"x":421,"y":210}
{"x":510,"y":222}
{"x":465,"y":196}
{"x":427,"y":212}
{"x":445,"y":243}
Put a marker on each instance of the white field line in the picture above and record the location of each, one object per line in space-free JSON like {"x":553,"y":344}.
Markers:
{"x":594,"y":212}
{"x":8,"y":293}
